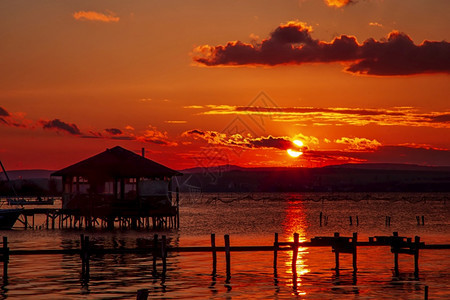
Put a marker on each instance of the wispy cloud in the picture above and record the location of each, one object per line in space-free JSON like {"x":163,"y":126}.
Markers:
{"x":375,"y":24}
{"x":402,"y":116}
{"x":95,"y":16}
{"x":292,"y":44}
{"x":338,"y":3}
{"x":359,"y":144}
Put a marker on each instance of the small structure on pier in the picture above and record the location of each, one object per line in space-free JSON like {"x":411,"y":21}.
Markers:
{"x":117,"y":185}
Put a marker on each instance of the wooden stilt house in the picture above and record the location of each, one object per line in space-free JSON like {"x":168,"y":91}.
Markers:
{"x":118,"y":183}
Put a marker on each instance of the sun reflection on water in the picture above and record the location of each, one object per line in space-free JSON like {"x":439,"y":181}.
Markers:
{"x":295,"y":222}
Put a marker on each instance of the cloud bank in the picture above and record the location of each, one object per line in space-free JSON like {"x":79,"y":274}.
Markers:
{"x":292,"y":44}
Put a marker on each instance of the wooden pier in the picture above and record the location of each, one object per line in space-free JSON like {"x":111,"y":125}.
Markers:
{"x":160,"y":249}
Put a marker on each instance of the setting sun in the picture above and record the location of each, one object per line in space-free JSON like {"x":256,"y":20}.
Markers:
{"x":294,"y":153}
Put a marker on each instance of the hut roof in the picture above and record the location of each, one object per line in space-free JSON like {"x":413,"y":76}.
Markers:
{"x":115,"y":163}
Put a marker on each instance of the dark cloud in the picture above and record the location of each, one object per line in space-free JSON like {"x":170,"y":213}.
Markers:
{"x":4,"y":112}
{"x":217,"y":138}
{"x":292,"y":43}
{"x":113,"y":131}
{"x":444,"y":118}
{"x":61,"y":126}
{"x":281,"y":143}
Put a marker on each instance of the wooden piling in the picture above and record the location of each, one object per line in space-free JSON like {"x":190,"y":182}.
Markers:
{"x":164,"y":254}
{"x":142,"y":294}
{"x":214,"y":253}
{"x":357,"y":221}
{"x":5,"y":259}
{"x":336,"y":252}
{"x":155,"y":246}
{"x":275,"y":250}
{"x":227,"y":256}
{"x":178,"y":207}
{"x":394,"y":248}
{"x":416,"y":256}
{"x":354,"y":245}
{"x":426,"y":293}
{"x":295,"y":250}
{"x":423,"y":220}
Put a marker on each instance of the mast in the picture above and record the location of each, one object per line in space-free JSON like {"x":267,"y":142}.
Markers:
{"x":7,"y":177}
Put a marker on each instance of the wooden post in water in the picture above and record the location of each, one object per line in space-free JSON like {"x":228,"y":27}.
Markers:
{"x":214,"y":253}
{"x":426,"y":293}
{"x":354,"y":242}
{"x":5,"y":259}
{"x":295,"y":251}
{"x":336,"y":252}
{"x":227,"y":256}
{"x":275,"y":251}
{"x":416,"y":256}
{"x":87,"y":254}
{"x":423,"y":220}
{"x":164,"y":255}
{"x":142,"y":294}
{"x":178,"y":207}
{"x":394,"y":249}
{"x":155,"y":247}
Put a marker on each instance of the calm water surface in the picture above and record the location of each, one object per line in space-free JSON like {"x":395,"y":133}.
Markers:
{"x":250,"y":219}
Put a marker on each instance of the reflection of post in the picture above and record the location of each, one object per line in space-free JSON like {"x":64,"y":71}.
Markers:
{"x":155,"y":247}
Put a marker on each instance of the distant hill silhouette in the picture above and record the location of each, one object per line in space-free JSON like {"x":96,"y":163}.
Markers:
{"x":374,"y":177}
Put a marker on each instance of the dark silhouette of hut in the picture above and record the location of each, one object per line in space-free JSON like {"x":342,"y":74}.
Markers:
{"x":118,"y":184}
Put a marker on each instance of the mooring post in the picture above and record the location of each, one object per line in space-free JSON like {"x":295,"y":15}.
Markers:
{"x":227,"y":256}
{"x":355,"y":246}
{"x":155,"y":249}
{"x":142,"y":294}
{"x":336,"y":251}
{"x":164,"y":255}
{"x":426,"y":293}
{"x":178,"y":207}
{"x":295,"y":251}
{"x":214,"y":253}
{"x":416,"y":256}
{"x":5,"y":259}
{"x":275,"y":251}
{"x":395,"y":250}
{"x":87,"y":254}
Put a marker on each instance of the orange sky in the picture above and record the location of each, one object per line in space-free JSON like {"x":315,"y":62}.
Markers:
{"x":203,"y":83}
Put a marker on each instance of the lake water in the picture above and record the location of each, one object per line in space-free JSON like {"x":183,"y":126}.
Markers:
{"x":249,"y":219}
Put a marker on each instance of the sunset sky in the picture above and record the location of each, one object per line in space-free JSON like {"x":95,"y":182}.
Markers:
{"x":203,"y":83}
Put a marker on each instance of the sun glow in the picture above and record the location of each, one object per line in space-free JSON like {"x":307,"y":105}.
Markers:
{"x":295,"y":153}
